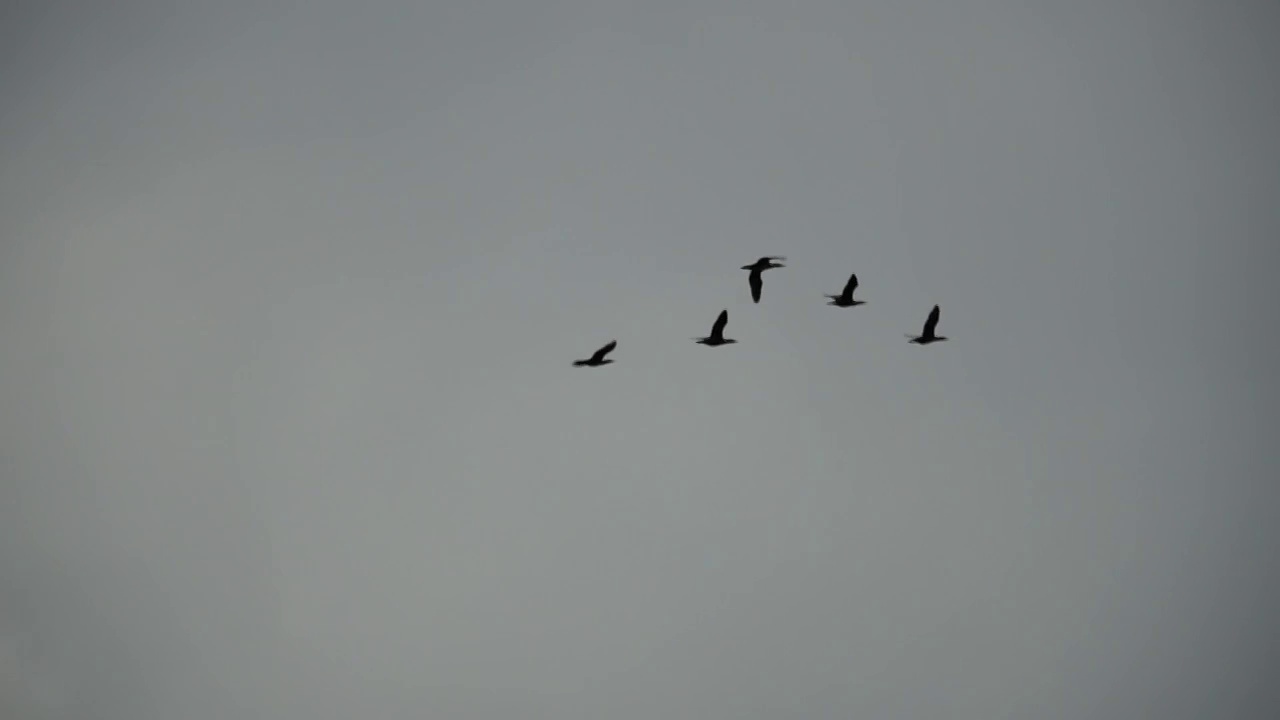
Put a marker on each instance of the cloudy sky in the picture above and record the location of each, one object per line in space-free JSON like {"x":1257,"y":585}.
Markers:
{"x":289,"y":294}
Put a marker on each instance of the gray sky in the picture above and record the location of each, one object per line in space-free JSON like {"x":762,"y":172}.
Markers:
{"x":288,"y":299}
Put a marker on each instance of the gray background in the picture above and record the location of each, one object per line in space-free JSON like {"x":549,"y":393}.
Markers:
{"x":289,"y":293}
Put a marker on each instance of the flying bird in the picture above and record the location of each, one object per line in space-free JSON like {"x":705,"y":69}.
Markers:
{"x":927,"y":335}
{"x":764,"y":263}
{"x":717,"y":332}
{"x":598,"y":359}
{"x":845,"y":299}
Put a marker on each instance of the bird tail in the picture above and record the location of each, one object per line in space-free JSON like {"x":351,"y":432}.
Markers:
{"x":579,"y":363}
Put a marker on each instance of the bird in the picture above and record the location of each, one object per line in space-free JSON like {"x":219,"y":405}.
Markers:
{"x":845,"y":299}
{"x":597,"y":359}
{"x":717,"y":332}
{"x":759,"y":266}
{"x":927,"y":335}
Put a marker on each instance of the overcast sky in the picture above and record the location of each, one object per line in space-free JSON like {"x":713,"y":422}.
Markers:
{"x":289,"y":297}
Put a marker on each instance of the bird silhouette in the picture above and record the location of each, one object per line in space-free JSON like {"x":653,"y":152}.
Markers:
{"x":597,"y":359}
{"x":927,"y":335}
{"x":717,"y":332}
{"x":845,"y":299}
{"x":759,"y":266}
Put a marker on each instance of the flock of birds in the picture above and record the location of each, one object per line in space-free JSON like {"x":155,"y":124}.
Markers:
{"x":844,"y":299}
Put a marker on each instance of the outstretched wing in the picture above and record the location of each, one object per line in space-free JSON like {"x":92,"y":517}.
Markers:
{"x":932,"y":322}
{"x":756,"y":284}
{"x":717,"y":330}
{"x":851,"y":286}
{"x":599,"y":354}
{"x":767,"y":258}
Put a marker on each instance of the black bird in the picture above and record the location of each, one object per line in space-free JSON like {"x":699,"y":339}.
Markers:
{"x":845,"y":299}
{"x":927,"y":336}
{"x":764,"y":263}
{"x":597,"y":359}
{"x":717,"y":332}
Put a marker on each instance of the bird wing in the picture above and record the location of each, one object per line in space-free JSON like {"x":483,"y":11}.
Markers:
{"x":851,"y":286}
{"x":766,"y":259}
{"x":932,"y":322}
{"x":756,"y":283}
{"x":599,"y":354}
{"x":717,"y":330}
